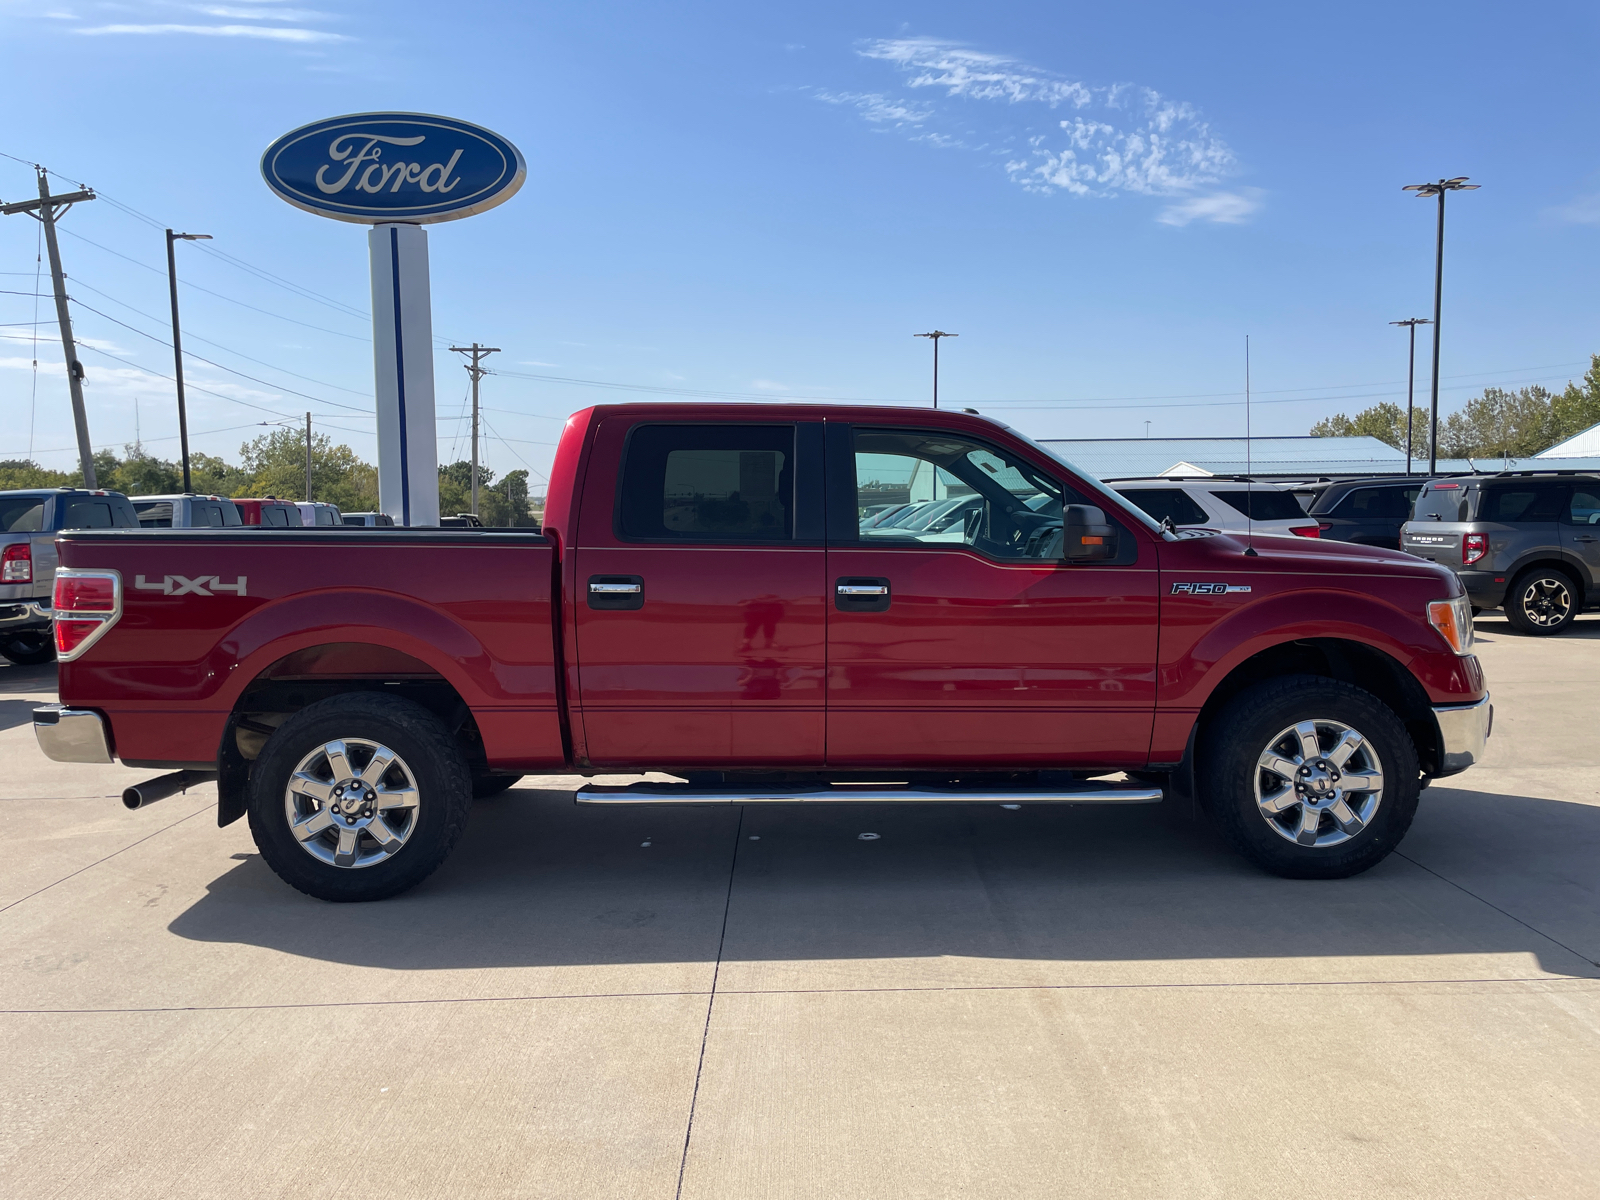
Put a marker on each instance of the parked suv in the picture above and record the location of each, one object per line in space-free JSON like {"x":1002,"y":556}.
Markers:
{"x":29,"y":522}
{"x":1366,"y":512}
{"x":1235,"y":505}
{"x":187,"y":511}
{"x":1527,"y":540}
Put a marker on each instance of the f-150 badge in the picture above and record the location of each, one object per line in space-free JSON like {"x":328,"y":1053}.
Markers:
{"x":1208,"y":589}
{"x":179,"y":585}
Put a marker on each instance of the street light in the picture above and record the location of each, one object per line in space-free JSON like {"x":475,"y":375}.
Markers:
{"x":1411,"y":379}
{"x":177,"y":345}
{"x":1458,"y":184}
{"x":936,"y":335}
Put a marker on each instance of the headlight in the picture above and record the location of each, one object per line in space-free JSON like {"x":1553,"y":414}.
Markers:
{"x":1453,"y":620}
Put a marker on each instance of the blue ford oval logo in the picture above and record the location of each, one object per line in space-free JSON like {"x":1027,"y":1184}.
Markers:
{"x":409,"y":167}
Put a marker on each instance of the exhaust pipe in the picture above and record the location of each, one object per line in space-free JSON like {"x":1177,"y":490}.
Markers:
{"x":162,"y":786}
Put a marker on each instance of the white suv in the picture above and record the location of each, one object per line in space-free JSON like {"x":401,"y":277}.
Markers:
{"x":1233,"y":505}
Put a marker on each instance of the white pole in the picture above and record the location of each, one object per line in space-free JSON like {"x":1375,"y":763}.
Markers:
{"x":402,"y":346}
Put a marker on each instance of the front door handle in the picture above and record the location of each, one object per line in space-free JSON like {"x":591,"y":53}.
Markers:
{"x":856,"y":593}
{"x":612,"y":593}
{"x":1583,"y":537}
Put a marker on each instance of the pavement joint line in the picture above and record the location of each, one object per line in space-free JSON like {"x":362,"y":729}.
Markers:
{"x":711,"y":1000}
{"x":107,"y":858}
{"x":1246,"y":985}
{"x":1498,"y":909}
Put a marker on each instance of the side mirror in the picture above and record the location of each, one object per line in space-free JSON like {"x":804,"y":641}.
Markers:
{"x":1086,"y":534}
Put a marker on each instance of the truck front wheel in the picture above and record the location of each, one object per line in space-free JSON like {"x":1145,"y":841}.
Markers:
{"x":358,"y":797}
{"x":1310,"y":778}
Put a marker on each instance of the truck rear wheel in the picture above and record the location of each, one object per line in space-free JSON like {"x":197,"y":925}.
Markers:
{"x":1310,"y":778}
{"x":28,"y":648}
{"x":358,"y":797}
{"x":1541,"y":602}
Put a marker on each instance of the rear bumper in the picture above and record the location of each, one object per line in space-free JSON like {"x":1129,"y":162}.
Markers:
{"x":25,"y":614}
{"x":1482,"y":588}
{"x":1463,"y":734}
{"x":72,"y":735}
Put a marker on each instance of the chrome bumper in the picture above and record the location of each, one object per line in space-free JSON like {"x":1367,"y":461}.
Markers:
{"x":72,"y":735}
{"x":24,"y":613}
{"x":1463,"y":734}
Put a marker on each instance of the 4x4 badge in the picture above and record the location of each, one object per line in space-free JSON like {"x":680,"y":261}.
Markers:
{"x":179,"y":585}
{"x":1208,"y":589}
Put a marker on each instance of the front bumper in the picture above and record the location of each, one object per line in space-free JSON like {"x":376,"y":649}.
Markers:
{"x":1463,"y":734}
{"x":72,"y":735}
{"x":25,"y":614}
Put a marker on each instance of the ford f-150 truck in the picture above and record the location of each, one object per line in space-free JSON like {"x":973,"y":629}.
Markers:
{"x":702,"y":602}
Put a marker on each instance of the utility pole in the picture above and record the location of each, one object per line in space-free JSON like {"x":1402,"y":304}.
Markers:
{"x":936,"y":335}
{"x":1458,"y":184}
{"x":49,"y":209}
{"x":308,"y":458}
{"x":1411,"y":379}
{"x":177,"y":347}
{"x":478,"y":354}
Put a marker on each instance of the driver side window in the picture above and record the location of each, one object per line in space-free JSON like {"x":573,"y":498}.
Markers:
{"x":924,"y":488}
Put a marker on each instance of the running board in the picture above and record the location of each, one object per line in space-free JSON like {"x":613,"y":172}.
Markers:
{"x":683,"y":793}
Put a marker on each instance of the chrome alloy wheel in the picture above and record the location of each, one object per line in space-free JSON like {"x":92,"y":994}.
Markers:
{"x":351,"y":803}
{"x":1318,"y":783}
{"x":1546,"y":601}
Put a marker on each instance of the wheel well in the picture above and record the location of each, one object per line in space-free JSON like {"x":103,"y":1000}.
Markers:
{"x":1350,"y":662}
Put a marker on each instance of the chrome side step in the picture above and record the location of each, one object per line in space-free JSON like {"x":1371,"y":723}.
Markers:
{"x":683,"y":793}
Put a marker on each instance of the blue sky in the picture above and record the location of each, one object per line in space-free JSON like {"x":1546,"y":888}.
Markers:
{"x":1102,"y":200}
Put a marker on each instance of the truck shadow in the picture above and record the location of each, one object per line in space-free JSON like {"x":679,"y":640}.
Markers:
{"x":539,"y":881}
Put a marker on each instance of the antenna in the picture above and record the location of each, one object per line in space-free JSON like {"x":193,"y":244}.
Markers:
{"x":1249,"y":469}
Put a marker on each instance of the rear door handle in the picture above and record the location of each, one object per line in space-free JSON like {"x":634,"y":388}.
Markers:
{"x":614,"y":593}
{"x":1583,"y":538}
{"x":855,"y":593}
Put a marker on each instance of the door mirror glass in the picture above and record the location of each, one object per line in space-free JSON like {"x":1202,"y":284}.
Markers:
{"x":1086,"y":535}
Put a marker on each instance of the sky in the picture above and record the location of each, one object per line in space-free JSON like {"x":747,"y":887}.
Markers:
{"x":768,"y":202}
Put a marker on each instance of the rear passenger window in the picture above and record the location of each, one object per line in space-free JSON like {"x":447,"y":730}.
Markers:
{"x":1584,"y":507}
{"x":697,"y":483}
{"x":1529,"y":505}
{"x":1377,"y":503}
{"x":1165,"y":504}
{"x":25,"y":515}
{"x":1263,"y":504}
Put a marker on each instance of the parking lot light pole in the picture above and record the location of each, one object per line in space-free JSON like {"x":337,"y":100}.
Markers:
{"x":936,"y":335}
{"x":1411,"y":379}
{"x":1458,"y":184}
{"x":177,"y":346}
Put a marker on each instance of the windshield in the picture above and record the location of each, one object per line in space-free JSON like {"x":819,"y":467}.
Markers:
{"x":1120,"y":503}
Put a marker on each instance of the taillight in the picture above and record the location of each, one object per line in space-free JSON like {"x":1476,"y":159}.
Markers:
{"x":1473,"y":547}
{"x":87,"y":603}
{"x":1306,"y":530}
{"x":16,"y":563}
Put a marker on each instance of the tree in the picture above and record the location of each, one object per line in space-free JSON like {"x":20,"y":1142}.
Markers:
{"x":1500,"y":424}
{"x":1578,"y":408}
{"x":274,"y":464}
{"x":502,"y":505}
{"x":1385,"y":421}
{"x":25,"y":473}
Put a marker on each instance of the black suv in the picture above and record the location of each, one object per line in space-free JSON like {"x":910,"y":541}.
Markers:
{"x":1366,"y":512}
{"x":1527,"y":540}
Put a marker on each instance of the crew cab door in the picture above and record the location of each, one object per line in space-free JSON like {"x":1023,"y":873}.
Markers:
{"x":953,"y":641}
{"x":699,"y":595}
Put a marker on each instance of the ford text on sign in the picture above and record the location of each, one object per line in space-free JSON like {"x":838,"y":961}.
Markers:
{"x":377,"y":167}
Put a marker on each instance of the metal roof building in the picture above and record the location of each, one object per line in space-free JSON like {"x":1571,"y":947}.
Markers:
{"x":1301,"y":457}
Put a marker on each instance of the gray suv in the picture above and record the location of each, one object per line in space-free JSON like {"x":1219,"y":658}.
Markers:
{"x":1525,"y":540}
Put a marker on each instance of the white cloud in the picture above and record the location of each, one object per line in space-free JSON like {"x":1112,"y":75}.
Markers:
{"x":268,"y":33}
{"x":1219,"y":208}
{"x":767,"y":385}
{"x":260,"y":14}
{"x":1585,"y":210}
{"x":1118,"y":138}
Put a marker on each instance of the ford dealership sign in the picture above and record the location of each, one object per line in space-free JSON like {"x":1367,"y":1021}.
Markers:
{"x":380,"y":167}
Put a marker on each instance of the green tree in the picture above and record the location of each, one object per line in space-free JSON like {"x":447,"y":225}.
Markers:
{"x":25,"y":473}
{"x":1500,"y":424}
{"x":502,"y":504}
{"x":274,"y":464}
{"x":1578,"y":407}
{"x":1385,"y":421}
{"x":139,"y":474}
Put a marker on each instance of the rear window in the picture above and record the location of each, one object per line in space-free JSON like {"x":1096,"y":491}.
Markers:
{"x":22,"y":514}
{"x":1449,"y":502}
{"x":1377,"y":503}
{"x":1263,"y":504}
{"x":709,"y":483}
{"x":280,"y":516}
{"x":154,"y":514}
{"x":1525,"y":504}
{"x":1168,"y":504}
{"x":88,"y":513}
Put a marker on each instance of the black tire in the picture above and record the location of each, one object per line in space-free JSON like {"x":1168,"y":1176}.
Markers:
{"x":1229,"y":773}
{"x":432,"y":758}
{"x":485,"y":786}
{"x":28,"y":648}
{"x":1542,"y":601}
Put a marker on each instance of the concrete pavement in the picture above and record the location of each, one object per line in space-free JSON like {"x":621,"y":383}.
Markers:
{"x":979,"y":1002}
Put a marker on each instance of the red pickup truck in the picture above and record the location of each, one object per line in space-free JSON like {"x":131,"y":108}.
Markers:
{"x":774,"y":604}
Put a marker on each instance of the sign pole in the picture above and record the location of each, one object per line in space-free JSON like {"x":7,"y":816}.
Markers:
{"x":402,"y":347}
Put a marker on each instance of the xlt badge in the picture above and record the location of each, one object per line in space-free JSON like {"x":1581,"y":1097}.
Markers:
{"x":1208,"y":589}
